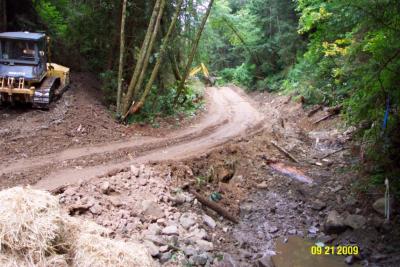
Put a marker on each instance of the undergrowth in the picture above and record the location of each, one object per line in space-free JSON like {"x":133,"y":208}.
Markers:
{"x":160,"y":104}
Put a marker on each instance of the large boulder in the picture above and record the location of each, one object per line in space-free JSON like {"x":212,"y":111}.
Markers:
{"x":334,"y":223}
{"x":355,"y":221}
{"x":187,"y":220}
{"x":152,"y":209}
{"x":379,"y":205}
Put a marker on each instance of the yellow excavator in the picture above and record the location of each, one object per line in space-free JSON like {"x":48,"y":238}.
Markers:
{"x":26,"y":72}
{"x":210,"y":80}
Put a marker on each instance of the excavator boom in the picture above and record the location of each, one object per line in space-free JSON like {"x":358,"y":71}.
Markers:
{"x":210,"y":80}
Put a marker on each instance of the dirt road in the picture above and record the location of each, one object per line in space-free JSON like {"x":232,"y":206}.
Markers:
{"x":229,"y":114}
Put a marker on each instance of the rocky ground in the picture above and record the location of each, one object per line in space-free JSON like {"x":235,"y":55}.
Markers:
{"x":314,"y":193}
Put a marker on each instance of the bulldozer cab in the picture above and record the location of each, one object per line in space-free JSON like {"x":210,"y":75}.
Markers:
{"x":22,"y":54}
{"x":25,"y":74}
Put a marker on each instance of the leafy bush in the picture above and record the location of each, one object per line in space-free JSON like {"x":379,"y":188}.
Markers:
{"x":241,"y":75}
{"x":51,"y":17}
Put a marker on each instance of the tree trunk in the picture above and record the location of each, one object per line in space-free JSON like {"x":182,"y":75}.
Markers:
{"x":193,"y":51}
{"x":148,"y":52}
{"x":138,"y":105}
{"x":121,"y":58}
{"x":139,"y":64}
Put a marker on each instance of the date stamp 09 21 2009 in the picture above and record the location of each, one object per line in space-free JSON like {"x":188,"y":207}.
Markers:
{"x":335,"y":250}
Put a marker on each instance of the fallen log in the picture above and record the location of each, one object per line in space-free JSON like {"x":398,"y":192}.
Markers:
{"x":324,"y":118}
{"x":284,"y":151}
{"x":335,"y":109}
{"x":214,"y":206}
{"x":331,"y":112}
{"x":334,"y":152}
{"x":314,"y":110}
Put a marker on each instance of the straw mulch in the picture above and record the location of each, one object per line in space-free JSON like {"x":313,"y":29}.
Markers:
{"x":34,"y":231}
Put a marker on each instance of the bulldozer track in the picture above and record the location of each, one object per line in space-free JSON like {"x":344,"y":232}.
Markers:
{"x":45,"y":94}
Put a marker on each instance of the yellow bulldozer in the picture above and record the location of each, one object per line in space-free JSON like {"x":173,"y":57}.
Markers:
{"x":27,"y":74}
{"x":210,"y":80}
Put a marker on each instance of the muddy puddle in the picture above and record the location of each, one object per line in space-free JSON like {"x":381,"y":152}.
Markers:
{"x":276,"y":214}
{"x":296,"y":252}
{"x":291,"y":172}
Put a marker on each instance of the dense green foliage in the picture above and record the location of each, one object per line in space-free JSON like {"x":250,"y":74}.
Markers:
{"x":331,"y":52}
{"x":248,"y":42}
{"x":353,"y":58}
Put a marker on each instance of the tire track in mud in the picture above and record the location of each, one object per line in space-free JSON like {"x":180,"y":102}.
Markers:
{"x":230,"y":114}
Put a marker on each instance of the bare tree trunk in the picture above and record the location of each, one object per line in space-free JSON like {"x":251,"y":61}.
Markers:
{"x":121,"y":58}
{"x":192,"y":54}
{"x":3,"y":22}
{"x":138,"y":105}
{"x":145,"y":46}
{"x":148,"y":52}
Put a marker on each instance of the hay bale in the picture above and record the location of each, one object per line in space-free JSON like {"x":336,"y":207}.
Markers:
{"x":95,"y":251}
{"x":75,"y":226}
{"x":30,"y":223}
{"x":11,"y":260}
{"x":55,"y":261}
{"x":34,"y":231}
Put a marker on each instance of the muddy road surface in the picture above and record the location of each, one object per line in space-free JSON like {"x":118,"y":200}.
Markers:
{"x":78,"y":140}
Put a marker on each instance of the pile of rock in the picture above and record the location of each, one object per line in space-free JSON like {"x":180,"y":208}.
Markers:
{"x":139,"y":204}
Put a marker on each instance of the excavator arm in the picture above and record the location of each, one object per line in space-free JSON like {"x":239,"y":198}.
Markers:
{"x":210,"y":80}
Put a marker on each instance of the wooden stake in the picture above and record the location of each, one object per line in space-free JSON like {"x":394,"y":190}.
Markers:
{"x":314,"y":110}
{"x":332,"y":153}
{"x":215,"y":207}
{"x":284,"y":151}
{"x":324,"y":118}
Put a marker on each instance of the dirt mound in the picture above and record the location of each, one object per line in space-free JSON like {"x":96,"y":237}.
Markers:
{"x":35,"y":232}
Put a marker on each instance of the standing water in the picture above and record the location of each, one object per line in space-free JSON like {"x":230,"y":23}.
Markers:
{"x":296,"y":252}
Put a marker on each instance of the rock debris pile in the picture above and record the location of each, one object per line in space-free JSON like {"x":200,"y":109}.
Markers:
{"x":141,"y":204}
